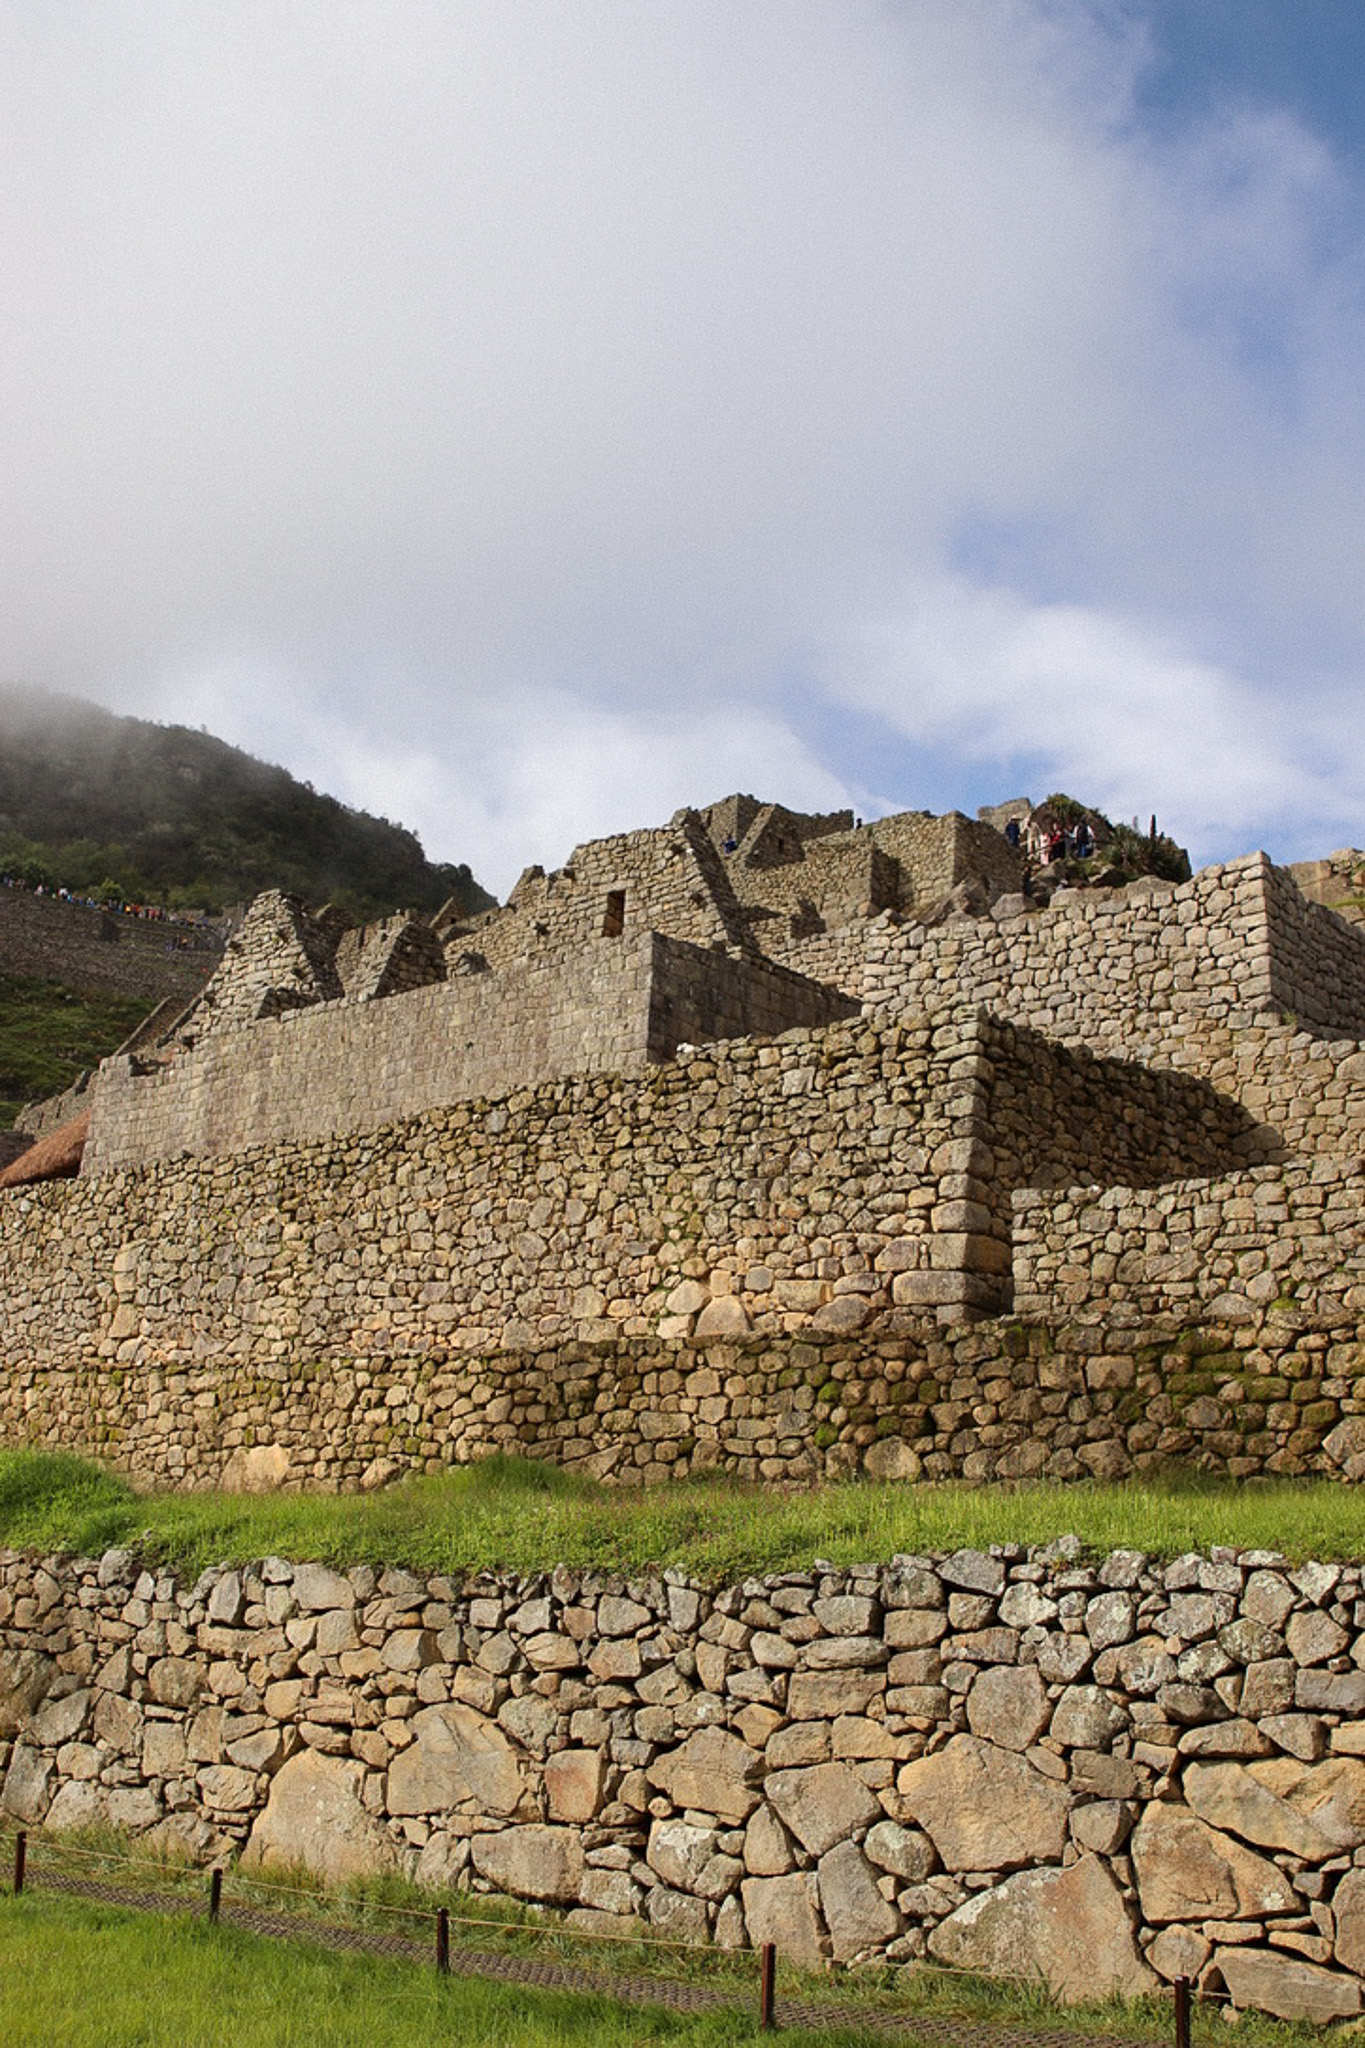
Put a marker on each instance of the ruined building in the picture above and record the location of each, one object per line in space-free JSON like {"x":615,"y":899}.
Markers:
{"x":774,"y":1141}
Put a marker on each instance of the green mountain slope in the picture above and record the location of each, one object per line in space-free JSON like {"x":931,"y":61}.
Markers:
{"x":48,"y":1034}
{"x":157,"y":813}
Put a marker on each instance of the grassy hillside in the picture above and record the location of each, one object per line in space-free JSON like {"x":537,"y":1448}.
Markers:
{"x":158,"y":813}
{"x":50,"y":1034}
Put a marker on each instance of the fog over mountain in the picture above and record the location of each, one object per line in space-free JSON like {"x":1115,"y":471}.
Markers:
{"x":102,"y":804}
{"x":525,"y":417}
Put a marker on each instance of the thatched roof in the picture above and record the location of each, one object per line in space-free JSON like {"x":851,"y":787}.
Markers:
{"x":57,"y":1157}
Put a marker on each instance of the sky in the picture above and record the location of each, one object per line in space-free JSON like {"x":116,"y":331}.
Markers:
{"x":521,"y":418}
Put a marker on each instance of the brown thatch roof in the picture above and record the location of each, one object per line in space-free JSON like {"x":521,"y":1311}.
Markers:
{"x":57,"y":1157}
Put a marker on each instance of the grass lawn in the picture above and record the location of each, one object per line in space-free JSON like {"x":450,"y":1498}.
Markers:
{"x":94,"y":1976}
{"x":514,"y":1514}
{"x":89,"y":1976}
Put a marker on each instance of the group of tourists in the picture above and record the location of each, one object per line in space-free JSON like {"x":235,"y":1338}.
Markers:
{"x":1045,"y":840}
{"x":192,"y":930}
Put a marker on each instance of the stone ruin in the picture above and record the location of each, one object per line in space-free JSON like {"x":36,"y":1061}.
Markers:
{"x":753,"y":1075}
{"x":761,"y":1143}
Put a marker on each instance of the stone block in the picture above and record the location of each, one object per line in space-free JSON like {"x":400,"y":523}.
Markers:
{"x":785,"y":1911}
{"x":314,"y":1817}
{"x":985,"y":1808}
{"x":821,"y":1805}
{"x":860,"y":1920}
{"x":532,"y":1862}
{"x":574,"y":1784}
{"x":457,"y":1757}
{"x":1262,"y":1981}
{"x":1188,"y":1870}
{"x":1068,"y":1928}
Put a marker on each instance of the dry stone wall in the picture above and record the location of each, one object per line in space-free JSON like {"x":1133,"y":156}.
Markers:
{"x":700,"y":995}
{"x":819,"y":1181}
{"x":279,"y":960}
{"x":1317,"y":960}
{"x":1338,"y":881}
{"x":937,"y":853}
{"x":1305,"y":1092}
{"x":670,"y":881}
{"x":1118,"y":969}
{"x":833,"y":880}
{"x":1212,"y":1248}
{"x":1282,"y":1394}
{"x":57,"y":941}
{"x":1105,"y":1774}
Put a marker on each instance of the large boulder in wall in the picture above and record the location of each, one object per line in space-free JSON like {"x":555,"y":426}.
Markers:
{"x":25,"y":1676}
{"x":314,"y":1819}
{"x":1265,"y":1980}
{"x":458,"y":1758}
{"x":533,"y":1862}
{"x":1187,"y":1870}
{"x":1069,"y":1928}
{"x":985,"y":1808}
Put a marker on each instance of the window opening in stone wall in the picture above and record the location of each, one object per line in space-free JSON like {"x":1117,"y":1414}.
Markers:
{"x":614,"y":916}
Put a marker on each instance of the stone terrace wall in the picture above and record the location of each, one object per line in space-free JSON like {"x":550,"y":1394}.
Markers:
{"x":1307,"y":1094}
{"x":1105,"y":1774}
{"x":339,"y":1065}
{"x":1117,"y":969}
{"x":56,"y":941}
{"x":589,"y":1207}
{"x":353,"y":1066}
{"x":1281,"y":1393}
{"x":1215,"y":1248}
{"x":1100,"y":968}
{"x":816,"y":1181}
{"x":701,"y":995}
{"x":1034,"y":1108}
{"x":1317,"y":960}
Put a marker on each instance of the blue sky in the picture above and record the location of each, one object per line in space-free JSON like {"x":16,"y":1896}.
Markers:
{"x":1305,"y":57}
{"x":522,"y":419}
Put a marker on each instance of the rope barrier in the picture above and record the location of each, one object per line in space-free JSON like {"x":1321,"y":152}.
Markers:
{"x":1184,"y":1992}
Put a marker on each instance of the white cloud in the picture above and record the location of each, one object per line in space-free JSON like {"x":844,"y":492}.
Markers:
{"x":491,"y":411}
{"x":1095,"y":704}
{"x":531,"y":774}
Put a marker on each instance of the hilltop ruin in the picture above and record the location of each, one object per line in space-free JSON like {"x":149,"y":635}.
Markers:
{"x":752,"y":1104}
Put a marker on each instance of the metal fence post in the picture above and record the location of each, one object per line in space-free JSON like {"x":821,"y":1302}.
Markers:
{"x":215,"y":1894}
{"x":443,"y":1941}
{"x":1182,"y":2012}
{"x":767,"y":1964}
{"x":20,"y":1860}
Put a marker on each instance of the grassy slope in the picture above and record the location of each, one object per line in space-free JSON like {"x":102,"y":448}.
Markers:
{"x":49,"y":1034}
{"x":526,"y":1517}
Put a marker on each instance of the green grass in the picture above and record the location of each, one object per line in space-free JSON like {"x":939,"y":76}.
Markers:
{"x":96,"y":1976}
{"x":49,"y":1034}
{"x":100,"y":1977}
{"x":514,"y":1514}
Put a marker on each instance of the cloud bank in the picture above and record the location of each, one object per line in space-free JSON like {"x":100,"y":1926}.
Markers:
{"x":527,"y":417}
